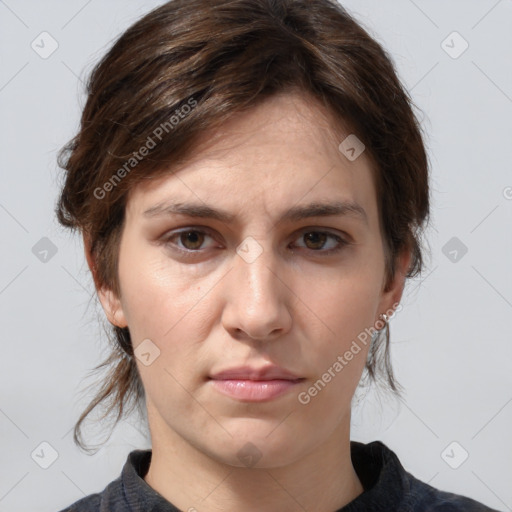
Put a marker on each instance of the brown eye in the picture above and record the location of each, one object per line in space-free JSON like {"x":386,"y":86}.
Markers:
{"x":192,"y":239}
{"x":321,"y":243}
{"x":315,"y":239}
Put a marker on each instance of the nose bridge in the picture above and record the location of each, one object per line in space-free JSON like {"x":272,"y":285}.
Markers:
{"x":257,"y":298}
{"x":255,"y":272}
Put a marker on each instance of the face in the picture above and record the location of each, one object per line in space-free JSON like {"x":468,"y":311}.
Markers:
{"x":273,"y":280}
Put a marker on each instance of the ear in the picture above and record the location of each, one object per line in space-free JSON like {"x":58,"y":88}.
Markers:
{"x":392,"y":296}
{"x":110,"y":303}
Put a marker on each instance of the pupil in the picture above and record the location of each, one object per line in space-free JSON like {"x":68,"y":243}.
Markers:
{"x":316,"y":238}
{"x":191,"y":238}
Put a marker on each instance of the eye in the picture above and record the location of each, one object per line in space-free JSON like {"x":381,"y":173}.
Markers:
{"x":318,"y":240}
{"x":190,"y":239}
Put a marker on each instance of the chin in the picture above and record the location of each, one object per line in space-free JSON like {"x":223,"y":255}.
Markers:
{"x":258,"y":445}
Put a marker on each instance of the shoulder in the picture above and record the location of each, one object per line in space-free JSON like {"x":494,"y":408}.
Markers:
{"x":111,"y":499}
{"x":425,"y":498}
{"x":89,"y":503}
{"x":127,"y":492}
{"x":388,"y":486}
{"x":422,"y":497}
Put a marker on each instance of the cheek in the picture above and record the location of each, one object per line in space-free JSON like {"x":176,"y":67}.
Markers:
{"x":172,"y":308}
{"x":155,"y":295}
{"x":341,"y":302}
{"x":336,"y":315}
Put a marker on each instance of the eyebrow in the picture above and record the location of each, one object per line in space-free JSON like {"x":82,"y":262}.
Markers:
{"x":296,"y":213}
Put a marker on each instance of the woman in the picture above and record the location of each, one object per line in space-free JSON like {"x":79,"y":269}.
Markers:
{"x":251,"y":183}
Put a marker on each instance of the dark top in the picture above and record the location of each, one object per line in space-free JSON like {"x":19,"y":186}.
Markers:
{"x":387,"y":488}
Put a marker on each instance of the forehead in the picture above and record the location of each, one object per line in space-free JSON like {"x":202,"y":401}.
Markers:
{"x":280,"y":153}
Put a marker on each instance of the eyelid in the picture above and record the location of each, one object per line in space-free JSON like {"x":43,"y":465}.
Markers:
{"x":177,"y":232}
{"x":341,"y":239}
{"x":327,"y":231}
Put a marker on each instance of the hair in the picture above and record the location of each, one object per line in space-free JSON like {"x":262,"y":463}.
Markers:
{"x":184,"y":69}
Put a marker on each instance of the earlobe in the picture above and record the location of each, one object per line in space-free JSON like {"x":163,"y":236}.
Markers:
{"x":110,"y":303}
{"x":391,"y":298}
{"x":112,"y":306}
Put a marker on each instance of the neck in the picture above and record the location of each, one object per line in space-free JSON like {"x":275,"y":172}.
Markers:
{"x":324,"y":480}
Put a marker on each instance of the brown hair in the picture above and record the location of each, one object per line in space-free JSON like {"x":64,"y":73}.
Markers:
{"x":186,"y":67}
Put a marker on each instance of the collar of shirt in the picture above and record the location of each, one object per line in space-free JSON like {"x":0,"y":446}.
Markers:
{"x":377,"y":467}
{"x":387,"y":486}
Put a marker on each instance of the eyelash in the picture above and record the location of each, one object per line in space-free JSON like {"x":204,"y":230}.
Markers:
{"x":190,"y":253}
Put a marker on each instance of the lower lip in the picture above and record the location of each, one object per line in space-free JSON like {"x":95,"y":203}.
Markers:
{"x":254,"y":390}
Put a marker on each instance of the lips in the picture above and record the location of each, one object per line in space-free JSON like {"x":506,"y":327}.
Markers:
{"x":249,"y":384}
{"x":271,"y":372}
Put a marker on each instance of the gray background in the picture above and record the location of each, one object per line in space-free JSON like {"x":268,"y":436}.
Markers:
{"x":451,"y":343}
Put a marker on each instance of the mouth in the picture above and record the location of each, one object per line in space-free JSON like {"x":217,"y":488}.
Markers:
{"x":251,"y":384}
{"x":250,"y":390}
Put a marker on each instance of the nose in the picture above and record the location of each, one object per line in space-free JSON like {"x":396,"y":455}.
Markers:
{"x":257,"y":299}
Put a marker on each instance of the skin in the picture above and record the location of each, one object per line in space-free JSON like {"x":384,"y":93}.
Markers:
{"x":291,"y":306}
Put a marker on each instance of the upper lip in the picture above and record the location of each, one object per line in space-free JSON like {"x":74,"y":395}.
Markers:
{"x":250,"y":373}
